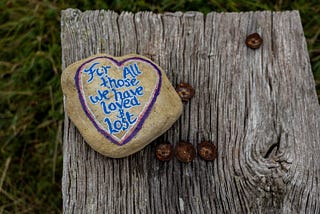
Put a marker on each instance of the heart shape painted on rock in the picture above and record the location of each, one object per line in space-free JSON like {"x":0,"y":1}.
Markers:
{"x":117,"y":96}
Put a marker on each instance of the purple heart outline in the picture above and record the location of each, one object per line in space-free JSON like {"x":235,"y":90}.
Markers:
{"x":141,"y":117}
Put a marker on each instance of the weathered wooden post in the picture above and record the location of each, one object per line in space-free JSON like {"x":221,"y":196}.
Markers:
{"x":259,"y":107}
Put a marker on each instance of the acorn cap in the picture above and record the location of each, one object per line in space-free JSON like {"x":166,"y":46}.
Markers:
{"x":185,"y":151}
{"x":164,"y":151}
{"x":207,"y":150}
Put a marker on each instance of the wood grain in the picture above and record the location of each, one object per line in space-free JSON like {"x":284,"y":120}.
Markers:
{"x":259,"y":107}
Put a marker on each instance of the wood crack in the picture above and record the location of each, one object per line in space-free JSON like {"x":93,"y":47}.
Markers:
{"x":274,"y":148}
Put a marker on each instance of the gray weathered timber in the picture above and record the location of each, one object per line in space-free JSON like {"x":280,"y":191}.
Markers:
{"x":259,"y":107}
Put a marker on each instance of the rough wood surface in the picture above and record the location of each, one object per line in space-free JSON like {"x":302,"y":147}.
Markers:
{"x":259,"y":107}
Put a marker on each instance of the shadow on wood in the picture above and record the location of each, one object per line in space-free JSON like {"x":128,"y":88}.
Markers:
{"x":259,"y":107}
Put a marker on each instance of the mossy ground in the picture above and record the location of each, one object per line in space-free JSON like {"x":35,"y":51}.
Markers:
{"x":31,"y":111}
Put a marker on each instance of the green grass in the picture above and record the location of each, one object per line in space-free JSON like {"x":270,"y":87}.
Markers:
{"x":31,"y":111}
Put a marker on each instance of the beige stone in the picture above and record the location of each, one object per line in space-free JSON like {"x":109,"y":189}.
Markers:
{"x":119,"y":104}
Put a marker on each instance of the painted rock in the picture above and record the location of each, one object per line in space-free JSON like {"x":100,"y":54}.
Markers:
{"x":119,"y":104}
